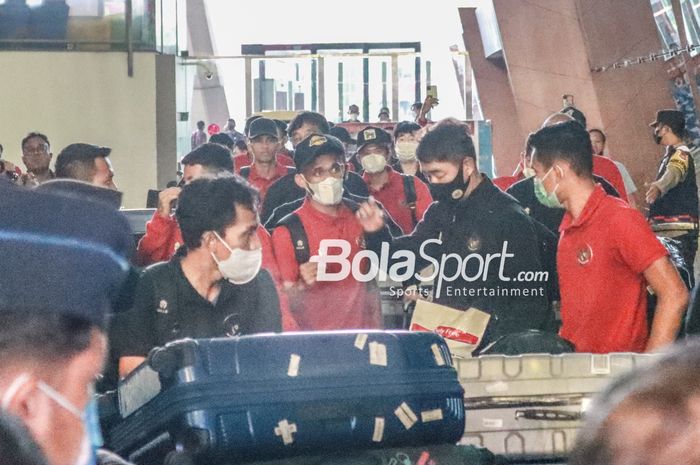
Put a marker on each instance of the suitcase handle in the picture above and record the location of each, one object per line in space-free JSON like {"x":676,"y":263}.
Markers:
{"x":547,"y":415}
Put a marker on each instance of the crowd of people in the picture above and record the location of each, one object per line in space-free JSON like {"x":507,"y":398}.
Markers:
{"x":241,"y":246}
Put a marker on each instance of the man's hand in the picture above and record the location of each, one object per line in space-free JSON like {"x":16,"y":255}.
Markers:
{"x":308,"y":272}
{"x":166,"y":197}
{"x":370,"y":216}
{"x":652,"y":194}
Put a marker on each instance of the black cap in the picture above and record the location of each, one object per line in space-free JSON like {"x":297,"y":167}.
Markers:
{"x":672,"y":118}
{"x":384,"y":110}
{"x":61,"y":255}
{"x":372,"y":135}
{"x":314,"y":146}
{"x":342,"y":134}
{"x":262,"y":127}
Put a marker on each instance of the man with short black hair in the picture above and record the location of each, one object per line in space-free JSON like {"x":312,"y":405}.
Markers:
{"x":36,"y":156}
{"x":214,"y":287}
{"x":471,"y":216}
{"x":87,"y":163}
{"x":199,"y":137}
{"x":230,"y":130}
{"x":607,"y":254}
{"x":263,"y":144}
{"x":324,"y":214}
{"x":222,"y":138}
{"x":53,"y":334}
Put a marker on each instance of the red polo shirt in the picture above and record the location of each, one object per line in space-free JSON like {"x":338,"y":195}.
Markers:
{"x":393,"y":196}
{"x":606,"y":168}
{"x":263,"y":184}
{"x":504,"y":182}
{"x":601,"y":257}
{"x":246,"y":159}
{"x":345,"y":304}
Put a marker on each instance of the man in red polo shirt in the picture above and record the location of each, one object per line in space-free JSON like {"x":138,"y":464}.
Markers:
{"x":406,"y":198}
{"x":324,"y":214}
{"x":263,"y":144}
{"x":607,"y":254}
{"x":603,"y":167}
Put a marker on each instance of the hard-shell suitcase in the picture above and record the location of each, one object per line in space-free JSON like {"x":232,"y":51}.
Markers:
{"x":270,"y":396}
{"x":532,"y":405}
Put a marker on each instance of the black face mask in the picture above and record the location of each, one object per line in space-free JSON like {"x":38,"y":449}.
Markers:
{"x":657,"y":137}
{"x":451,"y":191}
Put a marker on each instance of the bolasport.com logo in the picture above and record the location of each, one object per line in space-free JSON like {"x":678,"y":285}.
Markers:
{"x":401,"y":266}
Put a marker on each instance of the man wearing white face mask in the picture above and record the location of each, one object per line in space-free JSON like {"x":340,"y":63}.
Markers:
{"x":214,"y":286}
{"x":324,"y":214}
{"x":406,"y":140}
{"x":53,"y":335}
{"x":405,"y":197}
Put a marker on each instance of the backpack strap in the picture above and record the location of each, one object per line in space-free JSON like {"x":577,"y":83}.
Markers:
{"x":245,"y":172}
{"x":409,"y":189}
{"x":299,"y":239}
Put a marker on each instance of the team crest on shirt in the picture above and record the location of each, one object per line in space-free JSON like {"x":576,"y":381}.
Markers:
{"x":231,"y":325}
{"x":473,"y":243}
{"x":162,"y":307}
{"x":584,"y":255}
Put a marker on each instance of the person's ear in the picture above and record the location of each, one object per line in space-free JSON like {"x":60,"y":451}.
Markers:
{"x":300,"y":182}
{"x":20,"y":398}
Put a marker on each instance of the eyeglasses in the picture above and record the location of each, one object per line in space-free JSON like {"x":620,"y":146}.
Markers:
{"x":337,"y":170}
{"x":39,"y":150}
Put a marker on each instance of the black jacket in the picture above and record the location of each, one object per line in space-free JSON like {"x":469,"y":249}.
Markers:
{"x":481,"y":224}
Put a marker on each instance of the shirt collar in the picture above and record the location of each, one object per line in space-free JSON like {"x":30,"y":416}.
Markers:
{"x":279,"y":172}
{"x":393,"y":174}
{"x":588,"y":210}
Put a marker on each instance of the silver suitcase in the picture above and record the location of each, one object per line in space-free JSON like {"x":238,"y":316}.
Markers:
{"x":532,"y":405}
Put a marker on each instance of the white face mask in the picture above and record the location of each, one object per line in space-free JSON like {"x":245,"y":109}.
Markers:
{"x":374,"y":163}
{"x":406,"y":151}
{"x":242,"y":266}
{"x":327,"y":192}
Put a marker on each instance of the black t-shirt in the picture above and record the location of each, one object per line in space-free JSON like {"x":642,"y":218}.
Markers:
{"x":167,"y":308}
{"x":524,"y":192}
{"x":285,"y":190}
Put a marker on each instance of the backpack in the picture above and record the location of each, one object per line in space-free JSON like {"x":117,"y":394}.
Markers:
{"x":409,"y":189}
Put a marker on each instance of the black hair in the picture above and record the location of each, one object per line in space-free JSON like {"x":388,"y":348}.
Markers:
{"x":212,"y":156}
{"x":241,"y":145}
{"x":42,"y":337}
{"x":222,"y":139}
{"x":200,"y":124}
{"x":405,"y":127}
{"x":16,"y":443}
{"x":209,"y":204}
{"x":567,"y":141}
{"x":35,"y":134}
{"x":447,"y":141}
{"x":308,"y":117}
{"x":78,"y":165}
{"x":599,"y":131}
{"x":248,"y":122}
{"x":678,"y":128}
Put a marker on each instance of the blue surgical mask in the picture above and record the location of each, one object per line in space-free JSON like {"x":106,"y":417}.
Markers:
{"x":548,"y":199}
